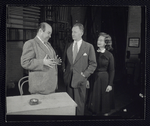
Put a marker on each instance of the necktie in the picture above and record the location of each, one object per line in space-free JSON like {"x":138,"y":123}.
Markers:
{"x":75,"y":51}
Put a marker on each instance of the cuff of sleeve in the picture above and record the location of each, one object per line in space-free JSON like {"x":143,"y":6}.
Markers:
{"x":110,"y":84}
{"x":82,"y":74}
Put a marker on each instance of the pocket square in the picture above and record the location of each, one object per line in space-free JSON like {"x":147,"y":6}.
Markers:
{"x":84,"y":54}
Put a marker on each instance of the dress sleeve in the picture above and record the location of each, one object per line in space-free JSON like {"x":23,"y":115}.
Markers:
{"x":111,"y":70}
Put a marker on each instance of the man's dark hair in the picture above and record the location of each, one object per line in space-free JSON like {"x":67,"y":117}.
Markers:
{"x":81,"y":27}
{"x":42,"y":26}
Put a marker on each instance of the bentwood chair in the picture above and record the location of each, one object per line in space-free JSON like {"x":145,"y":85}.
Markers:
{"x":21,"y":82}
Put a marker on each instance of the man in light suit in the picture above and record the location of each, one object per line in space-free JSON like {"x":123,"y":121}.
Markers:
{"x":81,"y":63}
{"x":40,"y":59}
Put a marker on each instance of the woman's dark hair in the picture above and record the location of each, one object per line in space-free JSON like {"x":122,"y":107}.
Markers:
{"x":108,"y":40}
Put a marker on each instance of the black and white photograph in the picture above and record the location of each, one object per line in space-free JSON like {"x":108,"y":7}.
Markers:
{"x":78,"y":62}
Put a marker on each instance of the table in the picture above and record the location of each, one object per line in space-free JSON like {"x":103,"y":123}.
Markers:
{"x":52,"y":104}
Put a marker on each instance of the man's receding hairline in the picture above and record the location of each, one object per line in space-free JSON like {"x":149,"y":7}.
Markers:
{"x":47,"y":25}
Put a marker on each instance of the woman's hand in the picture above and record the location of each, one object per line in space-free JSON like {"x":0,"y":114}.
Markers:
{"x":109,"y":88}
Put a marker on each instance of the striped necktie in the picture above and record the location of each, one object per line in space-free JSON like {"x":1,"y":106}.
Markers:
{"x":75,"y":51}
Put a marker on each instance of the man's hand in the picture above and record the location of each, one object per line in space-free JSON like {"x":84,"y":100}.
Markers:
{"x":58,"y":60}
{"x":87,"y":85}
{"x":109,"y":88}
{"x":48,"y":62}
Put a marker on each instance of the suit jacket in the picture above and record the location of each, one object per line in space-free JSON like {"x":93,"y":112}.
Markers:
{"x":85,"y":62}
{"x":42,"y":79}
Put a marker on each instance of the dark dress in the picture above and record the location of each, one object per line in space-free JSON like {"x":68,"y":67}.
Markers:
{"x":101,"y":101}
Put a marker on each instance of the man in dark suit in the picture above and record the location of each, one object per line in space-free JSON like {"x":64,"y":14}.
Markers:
{"x":81,"y":63}
{"x":40,"y":59}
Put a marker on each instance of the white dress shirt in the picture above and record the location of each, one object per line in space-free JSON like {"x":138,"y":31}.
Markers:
{"x":78,"y":44}
{"x":42,"y":41}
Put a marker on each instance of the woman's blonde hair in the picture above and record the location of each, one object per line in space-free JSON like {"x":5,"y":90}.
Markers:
{"x":108,"y":40}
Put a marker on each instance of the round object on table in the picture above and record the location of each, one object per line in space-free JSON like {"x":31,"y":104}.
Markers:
{"x":34,"y":101}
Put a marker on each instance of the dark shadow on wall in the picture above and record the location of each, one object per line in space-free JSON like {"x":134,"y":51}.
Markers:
{"x":112,"y":20}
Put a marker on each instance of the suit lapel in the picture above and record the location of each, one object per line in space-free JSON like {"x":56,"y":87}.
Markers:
{"x":81,"y":51}
{"x":43,"y":47}
{"x":53,"y":51}
{"x":70,"y":54}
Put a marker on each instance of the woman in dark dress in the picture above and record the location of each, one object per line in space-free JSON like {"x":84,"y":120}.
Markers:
{"x":102,"y":101}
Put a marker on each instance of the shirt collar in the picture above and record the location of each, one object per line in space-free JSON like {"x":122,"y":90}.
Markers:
{"x":78,"y":41}
{"x":40,"y":39}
